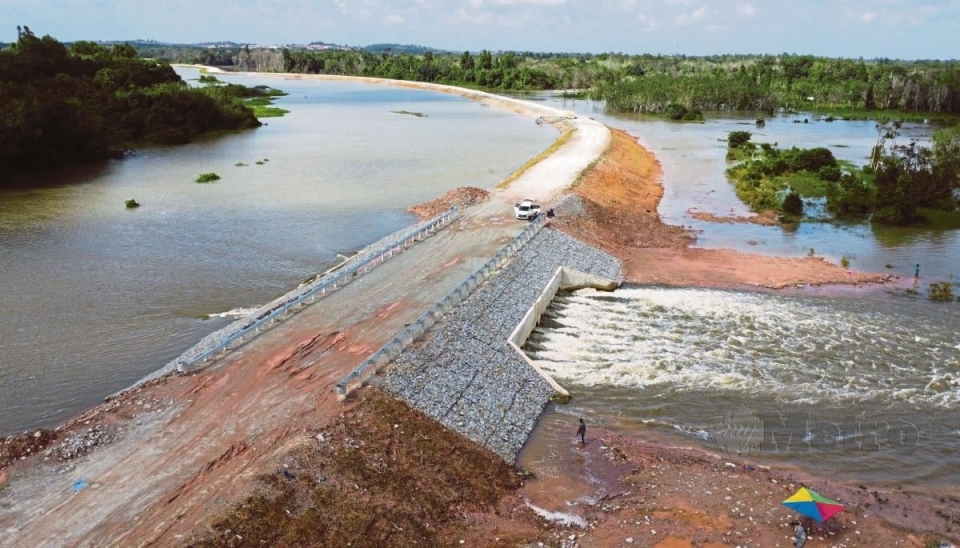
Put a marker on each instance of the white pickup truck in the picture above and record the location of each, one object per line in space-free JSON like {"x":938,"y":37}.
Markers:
{"x":526,"y":210}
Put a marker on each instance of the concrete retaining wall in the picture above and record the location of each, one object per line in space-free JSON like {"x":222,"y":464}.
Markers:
{"x":467,"y":375}
{"x":564,"y":279}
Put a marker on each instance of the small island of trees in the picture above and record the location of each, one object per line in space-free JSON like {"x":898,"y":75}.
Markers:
{"x":88,"y":102}
{"x":904,"y":184}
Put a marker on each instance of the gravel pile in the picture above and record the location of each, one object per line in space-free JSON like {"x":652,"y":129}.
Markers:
{"x":461,"y":197}
{"x":82,"y":442}
{"x":466,"y":376}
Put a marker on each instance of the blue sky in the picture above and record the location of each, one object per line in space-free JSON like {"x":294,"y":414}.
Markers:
{"x":907,"y":29}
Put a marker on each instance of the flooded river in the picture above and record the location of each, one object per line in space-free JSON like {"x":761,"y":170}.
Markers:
{"x":861,"y":386}
{"x":95,"y":296}
{"x":860,"y":389}
{"x":694,"y":165}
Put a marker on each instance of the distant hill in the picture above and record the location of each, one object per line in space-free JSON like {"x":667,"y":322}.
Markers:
{"x":149,"y":45}
{"x":411,"y":49}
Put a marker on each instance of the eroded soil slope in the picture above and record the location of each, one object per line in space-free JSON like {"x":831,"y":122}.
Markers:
{"x":382,"y":475}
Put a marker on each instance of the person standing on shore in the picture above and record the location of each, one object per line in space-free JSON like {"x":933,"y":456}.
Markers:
{"x":916,"y":273}
{"x":582,"y":432}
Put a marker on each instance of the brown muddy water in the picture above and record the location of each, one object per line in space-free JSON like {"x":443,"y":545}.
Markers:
{"x":850,"y":389}
{"x":850,"y":385}
{"x":95,"y":296}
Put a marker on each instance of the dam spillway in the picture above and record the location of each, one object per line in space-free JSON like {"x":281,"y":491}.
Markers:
{"x":466,"y":375}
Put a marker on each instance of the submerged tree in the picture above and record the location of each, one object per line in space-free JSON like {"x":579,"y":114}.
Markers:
{"x":887,"y":131}
{"x":793,"y":204}
{"x":911,"y":177}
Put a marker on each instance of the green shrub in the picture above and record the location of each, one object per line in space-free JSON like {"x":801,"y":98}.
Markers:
{"x":941,"y":291}
{"x":207,"y":177}
{"x":844,"y":262}
{"x":851,"y":197}
{"x":793,"y":204}
{"x":737,"y":139}
{"x":829,"y":173}
{"x":132,"y":204}
{"x":779,"y":166}
{"x":812,"y":159}
{"x":675,"y":111}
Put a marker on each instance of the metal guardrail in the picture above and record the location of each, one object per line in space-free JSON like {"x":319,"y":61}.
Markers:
{"x":308,"y":293}
{"x":372,"y":365}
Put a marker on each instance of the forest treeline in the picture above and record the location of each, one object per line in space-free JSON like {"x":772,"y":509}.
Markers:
{"x":67,"y":105}
{"x":638,"y":83}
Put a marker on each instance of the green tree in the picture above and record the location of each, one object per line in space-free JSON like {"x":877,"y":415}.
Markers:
{"x":793,"y":204}
{"x":946,"y":151}
{"x":736,"y":139}
{"x":66,"y":106}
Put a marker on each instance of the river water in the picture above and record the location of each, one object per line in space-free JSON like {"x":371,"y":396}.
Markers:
{"x":95,"y":296}
{"x":857,"y":386}
{"x":860,"y":389}
{"x":694,"y":165}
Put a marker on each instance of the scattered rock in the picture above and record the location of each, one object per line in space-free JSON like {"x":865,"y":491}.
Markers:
{"x":462,"y":197}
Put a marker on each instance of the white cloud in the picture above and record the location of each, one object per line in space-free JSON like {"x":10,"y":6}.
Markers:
{"x":924,"y":28}
{"x":650,"y":24}
{"x":472,"y":17}
{"x":528,"y":2}
{"x":696,"y":15}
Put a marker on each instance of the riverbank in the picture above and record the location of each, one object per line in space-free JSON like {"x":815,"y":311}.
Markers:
{"x":625,"y":490}
{"x":163,"y":462}
{"x":518,"y":106}
{"x":265,"y":422}
{"x":620,"y":196}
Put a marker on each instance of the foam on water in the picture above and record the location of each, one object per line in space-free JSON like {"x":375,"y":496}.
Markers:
{"x":562,"y":518}
{"x":804,"y":350}
{"x":235,"y":314}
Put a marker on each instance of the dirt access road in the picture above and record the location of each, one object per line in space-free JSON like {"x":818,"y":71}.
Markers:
{"x":187,"y":446}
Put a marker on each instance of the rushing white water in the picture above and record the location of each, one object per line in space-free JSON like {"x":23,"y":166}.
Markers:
{"x":708,"y":364}
{"x":803,"y":351}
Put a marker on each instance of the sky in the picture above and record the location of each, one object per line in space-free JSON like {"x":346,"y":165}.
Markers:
{"x":903,"y":29}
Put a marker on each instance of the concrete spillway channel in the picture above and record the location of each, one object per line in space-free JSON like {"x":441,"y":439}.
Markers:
{"x":468,"y":372}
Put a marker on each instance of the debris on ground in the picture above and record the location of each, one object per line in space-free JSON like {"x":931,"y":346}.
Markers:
{"x":462,"y":197}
